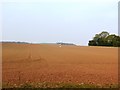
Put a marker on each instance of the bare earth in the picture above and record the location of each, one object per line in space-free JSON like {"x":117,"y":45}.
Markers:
{"x":51,"y":63}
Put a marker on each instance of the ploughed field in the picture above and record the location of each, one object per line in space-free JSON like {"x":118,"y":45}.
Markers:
{"x":51,"y":63}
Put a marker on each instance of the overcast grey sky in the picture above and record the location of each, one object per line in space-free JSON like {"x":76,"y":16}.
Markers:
{"x":49,"y":21}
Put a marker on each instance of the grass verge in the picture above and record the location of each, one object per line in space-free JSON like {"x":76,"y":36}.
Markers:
{"x":57,"y":85}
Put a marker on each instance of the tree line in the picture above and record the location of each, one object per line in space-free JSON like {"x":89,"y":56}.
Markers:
{"x":105,"y":39}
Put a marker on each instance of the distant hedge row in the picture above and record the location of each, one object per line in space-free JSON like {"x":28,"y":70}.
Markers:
{"x":105,"y":39}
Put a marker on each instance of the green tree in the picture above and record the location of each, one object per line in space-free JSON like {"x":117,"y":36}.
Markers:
{"x":104,"y":34}
{"x":110,"y":39}
{"x":100,"y":39}
{"x":105,"y":39}
{"x":116,"y":41}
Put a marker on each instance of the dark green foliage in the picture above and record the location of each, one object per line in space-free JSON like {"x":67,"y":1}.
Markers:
{"x":104,"y":39}
{"x":92,"y":43}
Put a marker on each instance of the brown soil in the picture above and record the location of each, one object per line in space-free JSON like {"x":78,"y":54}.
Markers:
{"x":51,"y":63}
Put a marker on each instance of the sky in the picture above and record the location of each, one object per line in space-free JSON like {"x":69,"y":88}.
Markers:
{"x":51,"y":21}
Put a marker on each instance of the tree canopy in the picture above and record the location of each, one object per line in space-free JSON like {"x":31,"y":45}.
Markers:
{"x":105,"y":39}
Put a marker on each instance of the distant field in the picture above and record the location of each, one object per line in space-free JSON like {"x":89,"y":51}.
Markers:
{"x":38,"y":63}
